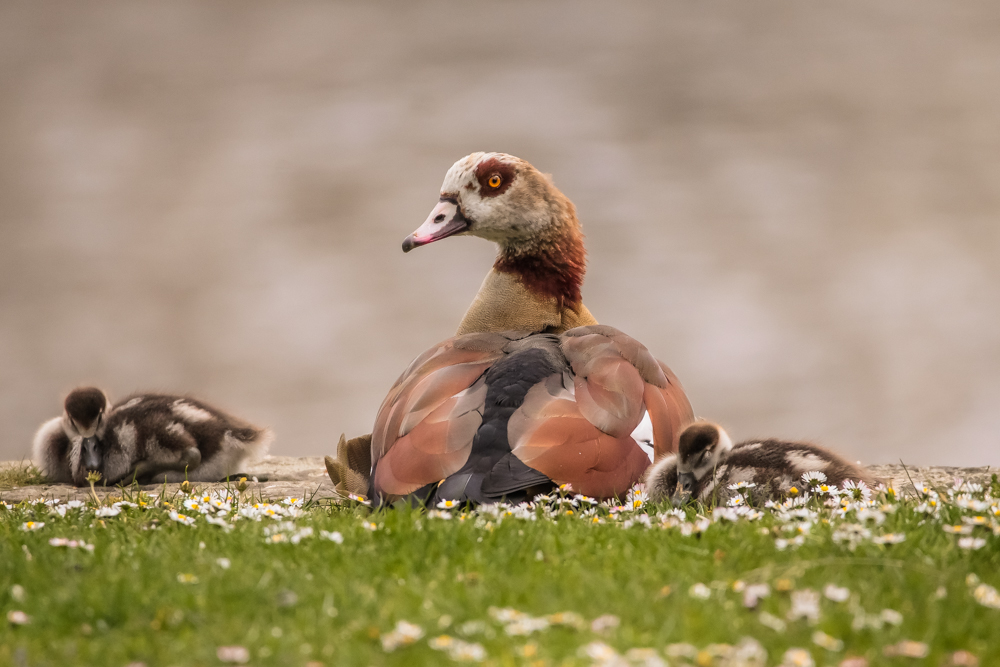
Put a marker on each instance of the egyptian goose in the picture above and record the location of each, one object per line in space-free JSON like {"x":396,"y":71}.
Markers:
{"x":532,"y":391}
{"x":147,"y":437}
{"x":707,"y":463}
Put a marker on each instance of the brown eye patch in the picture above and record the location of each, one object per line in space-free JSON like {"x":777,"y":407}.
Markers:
{"x":494,"y":177}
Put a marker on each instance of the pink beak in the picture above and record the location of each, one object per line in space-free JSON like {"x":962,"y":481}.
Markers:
{"x":445,"y":220}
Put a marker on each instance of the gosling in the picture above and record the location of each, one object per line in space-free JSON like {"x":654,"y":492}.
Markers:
{"x":147,"y":438}
{"x":707,"y":463}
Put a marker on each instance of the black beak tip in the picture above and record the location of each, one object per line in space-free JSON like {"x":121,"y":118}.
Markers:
{"x":409,"y":244}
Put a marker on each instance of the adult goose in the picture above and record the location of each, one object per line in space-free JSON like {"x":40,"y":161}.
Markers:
{"x":532,"y":391}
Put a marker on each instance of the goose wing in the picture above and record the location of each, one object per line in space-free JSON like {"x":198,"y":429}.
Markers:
{"x":576,"y":427}
{"x":505,"y":412}
{"x":424,"y":429}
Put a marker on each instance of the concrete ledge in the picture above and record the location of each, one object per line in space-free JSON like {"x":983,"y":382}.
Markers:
{"x":286,"y":476}
{"x":306,"y":477}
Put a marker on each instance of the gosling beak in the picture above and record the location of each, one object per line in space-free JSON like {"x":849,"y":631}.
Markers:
{"x":91,"y":455}
{"x":685,"y":487}
{"x":445,"y":220}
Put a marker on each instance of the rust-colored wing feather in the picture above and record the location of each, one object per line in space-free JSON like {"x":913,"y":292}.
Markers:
{"x":669,"y":411}
{"x":583,"y":435}
{"x":424,"y":429}
{"x":549,"y":433}
{"x":592,"y":351}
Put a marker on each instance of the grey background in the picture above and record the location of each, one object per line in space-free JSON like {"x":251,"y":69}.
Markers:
{"x":795,"y":205}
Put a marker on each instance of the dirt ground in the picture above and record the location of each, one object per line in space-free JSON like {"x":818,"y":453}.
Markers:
{"x":305,"y":477}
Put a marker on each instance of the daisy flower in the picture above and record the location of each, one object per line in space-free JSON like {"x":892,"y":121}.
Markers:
{"x":505,"y":614}
{"x":403,"y":634}
{"x":334,"y":536}
{"x":824,"y":640}
{"x":907,"y":648}
{"x":987,"y":596}
{"x":813,"y":477}
{"x":441,"y":642}
{"x":195,"y":506}
{"x":15,"y":617}
{"x":526,"y":626}
{"x":605,"y":623}
{"x":636,"y":498}
{"x":235,"y":654}
{"x":805,"y":604}
{"x":891,"y":616}
{"x":771,"y":621}
{"x":836,"y":593}
{"x":753,"y":593}
{"x":448,"y":504}
{"x":797,"y":657}
{"x":182,"y":518}
{"x":975,"y":520}
{"x":857,"y":490}
{"x":32,"y":525}
{"x":567,"y":618}
{"x":70,"y":544}
{"x":700,"y":591}
{"x":599,"y":652}
{"x":221,"y":523}
{"x":971,"y":543}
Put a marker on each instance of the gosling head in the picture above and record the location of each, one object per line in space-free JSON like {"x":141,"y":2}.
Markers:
{"x":84,"y":418}
{"x":498,"y":197}
{"x":701,"y":447}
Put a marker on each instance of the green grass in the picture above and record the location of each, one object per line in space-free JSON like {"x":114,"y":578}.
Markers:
{"x":152,"y":590}
{"x":23,"y":473}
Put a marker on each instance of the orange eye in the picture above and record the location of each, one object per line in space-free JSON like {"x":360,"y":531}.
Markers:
{"x":494,"y":181}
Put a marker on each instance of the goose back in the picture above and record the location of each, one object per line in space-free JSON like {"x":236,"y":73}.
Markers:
{"x":488,"y":415}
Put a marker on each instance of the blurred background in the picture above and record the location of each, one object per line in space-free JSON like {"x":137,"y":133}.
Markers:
{"x":796,"y":206}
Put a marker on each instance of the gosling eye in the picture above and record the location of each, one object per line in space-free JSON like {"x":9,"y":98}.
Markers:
{"x":494,"y":181}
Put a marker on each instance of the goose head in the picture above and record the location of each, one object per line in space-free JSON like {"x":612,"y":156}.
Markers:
{"x":84,"y":420}
{"x":701,"y":447}
{"x":504,"y":199}
{"x":497,"y":197}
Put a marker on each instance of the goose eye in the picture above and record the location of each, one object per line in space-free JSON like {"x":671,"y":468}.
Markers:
{"x":494,"y":181}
